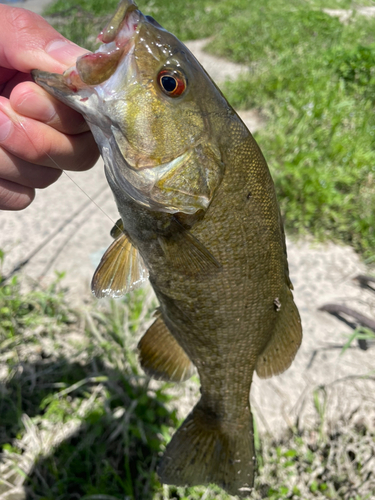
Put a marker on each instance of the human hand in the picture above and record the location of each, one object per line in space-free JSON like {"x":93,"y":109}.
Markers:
{"x":39,"y":136}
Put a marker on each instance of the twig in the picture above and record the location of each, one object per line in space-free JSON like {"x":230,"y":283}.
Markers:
{"x":340,"y":309}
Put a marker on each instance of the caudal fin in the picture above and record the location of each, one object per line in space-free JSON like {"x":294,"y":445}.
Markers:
{"x":207,"y":450}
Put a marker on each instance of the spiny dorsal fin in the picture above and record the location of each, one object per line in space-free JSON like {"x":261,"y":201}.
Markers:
{"x":285,"y":341}
{"x":188,"y":255}
{"x":120,"y":270}
{"x":161,"y":356}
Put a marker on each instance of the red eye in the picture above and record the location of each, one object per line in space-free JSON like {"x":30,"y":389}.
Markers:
{"x":172,"y":82}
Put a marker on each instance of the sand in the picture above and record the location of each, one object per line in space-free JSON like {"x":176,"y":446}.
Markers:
{"x":320,"y":273}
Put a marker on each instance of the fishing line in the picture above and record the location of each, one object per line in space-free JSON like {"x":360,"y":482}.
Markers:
{"x":67,"y":221}
{"x":45,"y":241}
{"x":70,"y":235}
{"x":74,"y":182}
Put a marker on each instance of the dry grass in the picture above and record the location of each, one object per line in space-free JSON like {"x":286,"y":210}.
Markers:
{"x":80,"y":420}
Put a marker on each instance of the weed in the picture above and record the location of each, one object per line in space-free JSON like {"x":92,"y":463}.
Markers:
{"x":360,"y":333}
{"x":79,"y":418}
{"x":77,"y":415}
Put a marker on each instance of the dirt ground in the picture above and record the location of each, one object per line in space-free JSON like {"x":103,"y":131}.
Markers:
{"x":72,"y":232}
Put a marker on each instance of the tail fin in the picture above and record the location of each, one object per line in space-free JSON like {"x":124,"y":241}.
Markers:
{"x":207,"y":450}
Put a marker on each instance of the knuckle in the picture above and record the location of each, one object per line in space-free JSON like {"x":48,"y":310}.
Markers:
{"x":50,"y":175}
{"x":25,"y":27}
{"x":23,"y":22}
{"x":19,"y":19}
{"x":88,"y":153}
{"x":91,"y":159}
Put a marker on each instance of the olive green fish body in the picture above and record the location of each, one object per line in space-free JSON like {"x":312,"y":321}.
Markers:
{"x":199,"y":214}
{"x":223,"y":319}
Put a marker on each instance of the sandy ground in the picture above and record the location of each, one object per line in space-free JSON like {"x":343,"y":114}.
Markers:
{"x":73,"y":231}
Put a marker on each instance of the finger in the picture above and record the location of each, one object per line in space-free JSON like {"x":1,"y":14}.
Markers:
{"x":38,"y":143}
{"x":8,"y":87}
{"x":6,"y":75}
{"x":28,"y":99}
{"x":14,"y":196}
{"x":33,"y":176}
{"x":27,"y":42}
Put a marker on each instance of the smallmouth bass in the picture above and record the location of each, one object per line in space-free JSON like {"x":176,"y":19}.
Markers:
{"x":199,"y":215}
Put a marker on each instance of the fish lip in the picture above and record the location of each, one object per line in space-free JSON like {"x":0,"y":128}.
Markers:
{"x":116,"y":24}
{"x":120,"y":42}
{"x":89,"y":70}
{"x":52,"y":81}
{"x":125,"y":31}
{"x":70,"y":84}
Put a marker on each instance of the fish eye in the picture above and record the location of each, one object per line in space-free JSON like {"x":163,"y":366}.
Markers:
{"x":172,"y":82}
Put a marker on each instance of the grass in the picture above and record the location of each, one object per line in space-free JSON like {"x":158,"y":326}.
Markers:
{"x":79,"y":419}
{"x":360,"y":333}
{"x":77,"y":416}
{"x":312,"y":78}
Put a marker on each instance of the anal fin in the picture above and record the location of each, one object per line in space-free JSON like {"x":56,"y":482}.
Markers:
{"x":281,"y":349}
{"x":161,"y":356}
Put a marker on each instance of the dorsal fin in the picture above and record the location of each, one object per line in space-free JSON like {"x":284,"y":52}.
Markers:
{"x":161,"y":356}
{"x":120,"y":270}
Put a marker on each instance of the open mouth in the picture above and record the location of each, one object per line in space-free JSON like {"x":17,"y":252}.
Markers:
{"x":95,"y":68}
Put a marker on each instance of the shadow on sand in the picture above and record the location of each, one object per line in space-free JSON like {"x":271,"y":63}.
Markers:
{"x":110,"y":426}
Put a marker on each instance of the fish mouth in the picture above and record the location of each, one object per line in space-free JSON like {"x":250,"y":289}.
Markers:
{"x":103,"y":81}
{"x":94,"y":68}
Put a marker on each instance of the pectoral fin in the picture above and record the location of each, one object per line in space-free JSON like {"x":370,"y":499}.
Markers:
{"x":188,"y":255}
{"x":161,"y":356}
{"x":120,"y":270}
{"x":285,"y":341}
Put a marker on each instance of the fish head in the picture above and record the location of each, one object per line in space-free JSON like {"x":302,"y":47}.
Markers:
{"x":153,"y":112}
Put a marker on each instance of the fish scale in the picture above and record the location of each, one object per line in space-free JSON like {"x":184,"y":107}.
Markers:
{"x":198,"y":214}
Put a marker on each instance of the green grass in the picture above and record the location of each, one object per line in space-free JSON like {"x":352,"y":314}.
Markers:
{"x":312,"y":78}
{"x":93,"y":424}
{"x":78,"y":416}
{"x":79,"y":419}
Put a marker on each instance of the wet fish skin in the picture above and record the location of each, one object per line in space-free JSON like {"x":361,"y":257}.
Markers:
{"x":210,"y":234}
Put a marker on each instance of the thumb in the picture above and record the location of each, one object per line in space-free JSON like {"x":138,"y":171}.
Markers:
{"x":28,"y":42}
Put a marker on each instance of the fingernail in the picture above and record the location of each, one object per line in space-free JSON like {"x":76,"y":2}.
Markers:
{"x":64,"y":51}
{"x":5,"y":126}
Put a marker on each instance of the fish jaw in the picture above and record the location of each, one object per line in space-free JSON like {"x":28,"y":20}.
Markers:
{"x":84,"y":100}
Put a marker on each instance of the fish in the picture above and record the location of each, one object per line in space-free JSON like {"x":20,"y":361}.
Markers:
{"x":200,"y":218}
